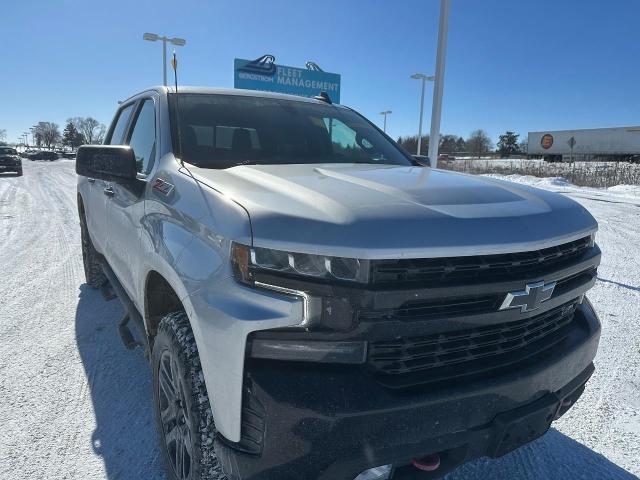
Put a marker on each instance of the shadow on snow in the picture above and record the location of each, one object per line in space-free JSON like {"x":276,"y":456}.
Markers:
{"x":120,"y":384}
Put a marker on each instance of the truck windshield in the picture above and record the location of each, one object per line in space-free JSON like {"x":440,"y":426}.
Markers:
{"x":222,"y":131}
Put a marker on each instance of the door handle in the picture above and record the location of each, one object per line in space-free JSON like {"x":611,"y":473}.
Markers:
{"x":91,"y":180}
{"x":108,"y":191}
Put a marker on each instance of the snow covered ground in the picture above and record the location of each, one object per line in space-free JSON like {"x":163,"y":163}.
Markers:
{"x":76,"y":405}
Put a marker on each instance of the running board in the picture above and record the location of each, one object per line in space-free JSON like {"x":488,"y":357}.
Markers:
{"x":131,"y":313}
{"x":107,"y":292}
{"x":125,"y":333}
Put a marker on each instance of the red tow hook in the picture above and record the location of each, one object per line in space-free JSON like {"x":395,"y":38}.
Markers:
{"x":430,"y":463}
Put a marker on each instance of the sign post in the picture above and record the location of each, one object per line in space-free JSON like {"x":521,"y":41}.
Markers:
{"x":572,"y":143}
{"x":263,"y":74}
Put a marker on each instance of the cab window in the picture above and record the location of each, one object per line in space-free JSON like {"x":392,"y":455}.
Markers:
{"x":117,"y":134}
{"x":143,"y":136}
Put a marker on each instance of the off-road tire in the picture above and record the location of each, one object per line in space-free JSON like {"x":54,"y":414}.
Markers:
{"x":174,"y":342}
{"x":19,"y":173}
{"x":93,"y":273}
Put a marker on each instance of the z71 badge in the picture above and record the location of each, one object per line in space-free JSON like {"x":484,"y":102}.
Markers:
{"x":163,"y":187}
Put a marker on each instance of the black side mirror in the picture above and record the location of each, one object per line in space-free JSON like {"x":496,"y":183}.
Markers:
{"x":113,"y":163}
{"x":422,"y":160}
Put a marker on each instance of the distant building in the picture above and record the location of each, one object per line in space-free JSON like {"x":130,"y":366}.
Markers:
{"x":593,"y":144}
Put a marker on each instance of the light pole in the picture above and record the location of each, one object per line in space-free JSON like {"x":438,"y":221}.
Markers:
{"x":384,"y":114}
{"x":424,"y":78}
{"x":153,"y":37}
{"x":436,"y":110}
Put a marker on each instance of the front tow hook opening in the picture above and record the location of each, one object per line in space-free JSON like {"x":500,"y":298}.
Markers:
{"x":434,"y":465}
{"x":430,"y":463}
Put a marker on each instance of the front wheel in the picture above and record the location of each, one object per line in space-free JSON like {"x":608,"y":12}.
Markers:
{"x":93,"y":273}
{"x":183,"y":414}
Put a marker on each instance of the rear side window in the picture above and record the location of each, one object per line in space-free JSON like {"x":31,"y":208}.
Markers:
{"x":143,"y":137}
{"x":117,"y":135}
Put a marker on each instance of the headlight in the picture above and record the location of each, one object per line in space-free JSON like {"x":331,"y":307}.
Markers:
{"x":249,"y":260}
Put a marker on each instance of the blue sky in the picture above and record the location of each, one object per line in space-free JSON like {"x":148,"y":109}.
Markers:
{"x":511,"y":64}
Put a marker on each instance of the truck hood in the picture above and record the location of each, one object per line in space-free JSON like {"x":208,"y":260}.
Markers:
{"x":386,"y":211}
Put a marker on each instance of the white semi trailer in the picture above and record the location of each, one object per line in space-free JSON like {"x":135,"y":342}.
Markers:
{"x":598,"y":144}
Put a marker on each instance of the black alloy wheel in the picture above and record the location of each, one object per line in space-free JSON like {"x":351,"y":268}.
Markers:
{"x":175,"y":416}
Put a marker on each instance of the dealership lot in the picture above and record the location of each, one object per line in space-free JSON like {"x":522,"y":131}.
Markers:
{"x":76,"y":404}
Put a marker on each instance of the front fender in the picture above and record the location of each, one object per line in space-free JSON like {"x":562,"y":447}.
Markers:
{"x":222,"y":316}
{"x":186,"y":238}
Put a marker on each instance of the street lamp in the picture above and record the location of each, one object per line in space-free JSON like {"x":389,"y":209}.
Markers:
{"x":384,"y":114}
{"x":424,"y":78}
{"x":436,"y":110}
{"x":153,"y":37}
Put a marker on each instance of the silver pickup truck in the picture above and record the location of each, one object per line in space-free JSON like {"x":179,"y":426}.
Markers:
{"x":316,"y":303}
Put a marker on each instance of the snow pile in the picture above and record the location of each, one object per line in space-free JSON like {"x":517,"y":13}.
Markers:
{"x":622,"y":193}
{"x":541,"y":182}
{"x":631,"y":191}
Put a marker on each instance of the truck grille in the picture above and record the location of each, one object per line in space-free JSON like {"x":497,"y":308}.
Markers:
{"x":479,"y":268}
{"x":416,"y":311}
{"x":442,"y":308}
{"x":439,"y":357}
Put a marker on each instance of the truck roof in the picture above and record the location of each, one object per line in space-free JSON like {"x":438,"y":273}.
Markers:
{"x":229,"y":91}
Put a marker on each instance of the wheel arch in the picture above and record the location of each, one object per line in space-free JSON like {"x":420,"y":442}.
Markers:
{"x":81,"y":209}
{"x":160,"y":299}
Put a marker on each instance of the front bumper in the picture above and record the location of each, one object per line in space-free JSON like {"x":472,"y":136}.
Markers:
{"x":10,"y":168}
{"x":305,"y":421}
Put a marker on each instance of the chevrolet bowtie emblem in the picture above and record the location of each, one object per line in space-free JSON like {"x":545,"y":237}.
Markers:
{"x":530,"y":298}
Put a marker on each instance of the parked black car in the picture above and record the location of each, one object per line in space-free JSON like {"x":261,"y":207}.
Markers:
{"x":43,"y":155}
{"x":10,"y":160}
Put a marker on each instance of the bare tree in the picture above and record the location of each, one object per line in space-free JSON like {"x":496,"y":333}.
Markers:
{"x":3,"y":134}
{"x":478,"y":143}
{"x":76,"y":122}
{"x":47,"y":134}
{"x":523,"y":146}
{"x":91,"y":130}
